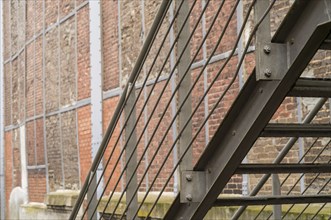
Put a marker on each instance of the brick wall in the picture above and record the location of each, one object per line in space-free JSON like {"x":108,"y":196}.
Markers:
{"x":47,"y":88}
{"x":8,"y":165}
{"x":84,"y":140}
{"x":42,"y":70}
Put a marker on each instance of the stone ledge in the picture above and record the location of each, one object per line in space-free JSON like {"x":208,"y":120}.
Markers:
{"x":59,"y":205}
{"x":62,"y":198}
{"x":214,"y":214}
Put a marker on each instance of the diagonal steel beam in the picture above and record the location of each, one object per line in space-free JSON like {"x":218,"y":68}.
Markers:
{"x":255,"y":106}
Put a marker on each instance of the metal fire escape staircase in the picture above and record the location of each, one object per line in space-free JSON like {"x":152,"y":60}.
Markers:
{"x":280,"y":61}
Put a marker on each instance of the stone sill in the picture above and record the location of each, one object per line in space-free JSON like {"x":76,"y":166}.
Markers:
{"x":64,"y":200}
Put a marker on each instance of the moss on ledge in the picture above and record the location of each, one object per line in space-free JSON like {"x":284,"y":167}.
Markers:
{"x":215,"y":213}
{"x":67,"y":199}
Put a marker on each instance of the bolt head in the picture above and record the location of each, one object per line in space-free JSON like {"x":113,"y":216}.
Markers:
{"x":188,"y":177}
{"x":267,"y":72}
{"x":189,"y":197}
{"x":267,"y":49}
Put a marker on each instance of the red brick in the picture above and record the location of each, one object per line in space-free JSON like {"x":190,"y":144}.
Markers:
{"x":37,"y":185}
{"x":84,"y":140}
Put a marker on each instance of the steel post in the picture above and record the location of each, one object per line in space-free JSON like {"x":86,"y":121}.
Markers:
{"x":131,"y":150}
{"x":185,"y":138}
{"x":276,"y":191}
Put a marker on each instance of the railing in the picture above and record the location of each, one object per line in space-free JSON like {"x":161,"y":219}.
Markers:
{"x":313,"y":148}
{"x":189,"y":72}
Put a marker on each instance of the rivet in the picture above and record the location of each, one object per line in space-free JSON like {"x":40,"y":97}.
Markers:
{"x":189,"y":197}
{"x":292,"y":41}
{"x":266,"y":49}
{"x":267,"y":72}
{"x":189,"y":177}
{"x":233,"y":132}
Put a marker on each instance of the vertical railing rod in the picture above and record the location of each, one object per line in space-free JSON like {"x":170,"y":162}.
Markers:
{"x":119,"y":108}
{"x":130,"y":149}
{"x":221,"y":97}
{"x":186,"y":110}
{"x":276,"y":191}
{"x":281,"y":155}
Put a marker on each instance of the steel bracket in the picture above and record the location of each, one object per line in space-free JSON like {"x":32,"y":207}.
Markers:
{"x":271,"y":61}
{"x":193,"y":186}
{"x":271,"y":58}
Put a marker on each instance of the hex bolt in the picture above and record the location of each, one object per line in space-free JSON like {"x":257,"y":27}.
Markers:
{"x":267,"y":72}
{"x":189,"y":197}
{"x":189,"y":177}
{"x":266,"y":49}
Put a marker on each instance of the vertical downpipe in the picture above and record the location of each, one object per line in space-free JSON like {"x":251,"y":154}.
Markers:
{"x":173,"y":102}
{"x":205,"y":73}
{"x":96,"y":94}
{"x":300,"y":141}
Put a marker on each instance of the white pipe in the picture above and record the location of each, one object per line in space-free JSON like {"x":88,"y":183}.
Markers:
{"x":96,"y":81}
{"x":301,"y":144}
{"x":205,"y":73}
{"x":173,"y":102}
{"x":2,"y":157}
{"x":240,"y":14}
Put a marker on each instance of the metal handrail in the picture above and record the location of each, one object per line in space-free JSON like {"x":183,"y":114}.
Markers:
{"x":131,"y":111}
{"x":120,"y":106}
{"x":129,"y":102}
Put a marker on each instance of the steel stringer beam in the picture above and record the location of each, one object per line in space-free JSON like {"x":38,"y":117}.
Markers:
{"x":255,"y":105}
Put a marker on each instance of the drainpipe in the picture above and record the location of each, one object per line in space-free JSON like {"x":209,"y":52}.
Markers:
{"x":96,"y":93}
{"x":2,"y":157}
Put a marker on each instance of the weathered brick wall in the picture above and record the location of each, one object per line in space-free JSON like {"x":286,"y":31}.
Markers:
{"x":84,"y":140}
{"x":110,"y":44}
{"x":37,"y":185}
{"x":107,"y":113}
{"x":83,"y":58}
{"x":8,"y":165}
{"x":47,"y":72}
{"x":42,"y":71}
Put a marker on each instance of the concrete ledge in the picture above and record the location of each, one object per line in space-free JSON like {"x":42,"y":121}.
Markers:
{"x":59,"y":205}
{"x":159,"y":211}
{"x":36,"y":211}
{"x":62,"y":198}
{"x":215,"y":213}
